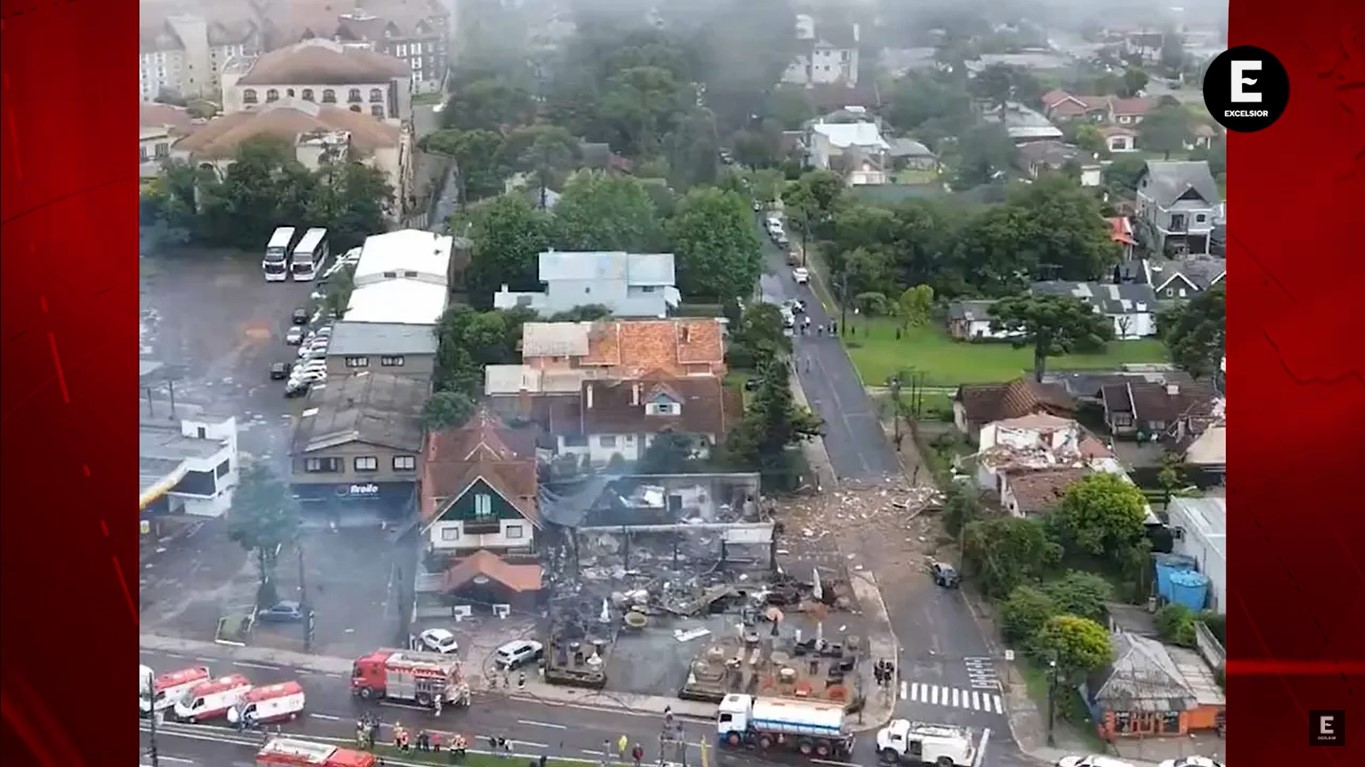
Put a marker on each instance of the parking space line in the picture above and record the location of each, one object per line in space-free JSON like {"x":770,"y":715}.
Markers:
{"x":249,"y":664}
{"x":549,"y":725}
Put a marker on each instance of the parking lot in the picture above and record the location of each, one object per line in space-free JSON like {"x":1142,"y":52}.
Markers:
{"x":218,"y":326}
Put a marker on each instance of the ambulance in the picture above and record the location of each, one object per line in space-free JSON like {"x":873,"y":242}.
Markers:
{"x":169,"y":688}
{"x":212,"y":699}
{"x":272,"y":703}
{"x":292,"y":752}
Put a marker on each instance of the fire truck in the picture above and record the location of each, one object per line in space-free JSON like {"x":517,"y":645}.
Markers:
{"x":407,"y":675}
{"x":302,"y":753}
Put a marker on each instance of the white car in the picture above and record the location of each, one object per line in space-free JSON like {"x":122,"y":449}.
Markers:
{"x":439,"y":640}
{"x":314,"y":350}
{"x":1192,"y":761}
{"x":1094,"y":760}
{"x":801,"y":274}
{"x":518,"y":653}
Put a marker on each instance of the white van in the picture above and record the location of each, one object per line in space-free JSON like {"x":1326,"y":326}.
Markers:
{"x":272,"y":703}
{"x":211,"y":700}
{"x":171,"y":687}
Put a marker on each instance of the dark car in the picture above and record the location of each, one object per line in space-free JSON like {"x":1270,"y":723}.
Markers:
{"x":279,"y":371}
{"x":300,"y":316}
{"x":282,"y":612}
{"x":944,"y":575}
{"x":752,"y":384}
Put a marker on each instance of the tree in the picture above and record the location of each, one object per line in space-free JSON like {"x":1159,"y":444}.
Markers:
{"x":1024,"y":613}
{"x":476,"y":154}
{"x":1005,"y":552}
{"x":469,"y":340}
{"x":1173,"y":51}
{"x":263,"y":518}
{"x":961,"y":507}
{"x":508,"y":236}
{"x":1101,"y":515}
{"x":692,"y":149}
{"x":582,"y":313}
{"x":1064,"y":227}
{"x":1175,"y":623}
{"x":669,"y":453}
{"x":1121,"y":175}
{"x":757,"y":148}
{"x":1052,"y":325}
{"x":1089,"y":138}
{"x":789,"y":106}
{"x":602,"y":212}
{"x":772,"y":423}
{"x":810,"y":201}
{"x":918,"y":99}
{"x":760,"y":335}
{"x":915,"y":305}
{"x":1166,"y":129}
{"x":337,"y":295}
{"x":1170,"y":476}
{"x":447,"y":409}
{"x":718,"y":252}
{"x":766,"y":185}
{"x":995,"y":84}
{"x":1195,"y":333}
{"x":1134,"y":80}
{"x":489,"y":104}
{"x":1080,"y":593}
{"x":1078,"y":645}
{"x":358,"y":202}
{"x":641,"y":105}
{"x":984,"y":152}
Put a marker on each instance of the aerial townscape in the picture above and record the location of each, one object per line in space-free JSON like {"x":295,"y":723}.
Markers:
{"x":611,"y":382}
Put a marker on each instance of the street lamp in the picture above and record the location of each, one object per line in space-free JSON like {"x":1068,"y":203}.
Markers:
{"x":1051,"y":700}
{"x":152,"y":717}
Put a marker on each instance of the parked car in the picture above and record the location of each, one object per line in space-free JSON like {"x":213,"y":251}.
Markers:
{"x":518,"y":653}
{"x":1093,"y":760}
{"x":438,"y":640}
{"x":281,"y":612}
{"x":794,"y":305}
{"x":801,"y":274}
{"x":793,"y":257}
{"x":294,"y":335}
{"x":1192,"y":761}
{"x":296,"y":387}
{"x":279,"y":371}
{"x":300,"y":316}
{"x":945,"y":575}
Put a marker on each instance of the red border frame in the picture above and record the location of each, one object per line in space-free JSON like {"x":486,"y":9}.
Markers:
{"x":1297,"y":567}
{"x":69,"y":382}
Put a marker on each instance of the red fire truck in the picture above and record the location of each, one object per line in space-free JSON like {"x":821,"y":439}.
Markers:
{"x":407,"y":675}
{"x":302,"y":753}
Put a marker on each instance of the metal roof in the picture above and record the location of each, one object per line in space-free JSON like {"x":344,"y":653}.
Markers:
{"x":1205,"y":517}
{"x":398,"y":301}
{"x":366,"y":338}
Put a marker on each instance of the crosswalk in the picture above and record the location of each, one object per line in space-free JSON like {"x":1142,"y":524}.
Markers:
{"x":952,"y":697}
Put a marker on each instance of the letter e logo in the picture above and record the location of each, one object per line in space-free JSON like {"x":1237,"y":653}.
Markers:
{"x":1240,"y":81}
{"x":1327,"y":728}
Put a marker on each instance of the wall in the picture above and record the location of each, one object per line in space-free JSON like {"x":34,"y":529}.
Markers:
{"x":395,"y":96}
{"x":348,"y":475}
{"x":1136,"y":325}
{"x":630,"y":447}
{"x":413,"y":365}
{"x":1211,"y":563}
{"x":473,"y":541}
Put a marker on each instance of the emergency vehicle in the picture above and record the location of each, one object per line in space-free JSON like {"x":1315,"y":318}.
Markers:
{"x":409,"y":675}
{"x":212,"y":699}
{"x":302,"y":753}
{"x":171,"y":687}
{"x":271,"y":703}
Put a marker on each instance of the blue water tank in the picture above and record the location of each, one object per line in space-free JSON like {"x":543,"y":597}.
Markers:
{"x":1189,"y":588}
{"x":1168,"y":565}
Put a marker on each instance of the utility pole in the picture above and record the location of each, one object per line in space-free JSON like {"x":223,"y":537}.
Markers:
{"x":1051,"y":701}
{"x":896,"y":407}
{"x":152,"y":717}
{"x":843,"y":302}
{"x":304,"y":606}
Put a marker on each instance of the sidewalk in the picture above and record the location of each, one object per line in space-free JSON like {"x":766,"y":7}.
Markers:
{"x":535,"y":691}
{"x":814,"y":449}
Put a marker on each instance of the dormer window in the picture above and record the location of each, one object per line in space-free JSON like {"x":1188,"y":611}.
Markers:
{"x":662,"y":405}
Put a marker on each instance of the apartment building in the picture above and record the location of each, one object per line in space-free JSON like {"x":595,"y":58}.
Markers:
{"x":323,"y":72}
{"x":182,"y":54}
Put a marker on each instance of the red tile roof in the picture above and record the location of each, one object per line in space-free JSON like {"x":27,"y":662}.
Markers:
{"x":1133,"y":107}
{"x":1040,"y":491}
{"x":521,"y":578}
{"x":985,"y":403}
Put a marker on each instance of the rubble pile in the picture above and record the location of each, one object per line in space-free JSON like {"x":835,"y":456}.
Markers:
{"x":882,"y":521}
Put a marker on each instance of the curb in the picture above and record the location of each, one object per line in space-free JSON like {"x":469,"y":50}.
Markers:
{"x":871,"y":580}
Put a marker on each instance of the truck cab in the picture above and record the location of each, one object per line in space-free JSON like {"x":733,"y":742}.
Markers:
{"x":906,"y":742}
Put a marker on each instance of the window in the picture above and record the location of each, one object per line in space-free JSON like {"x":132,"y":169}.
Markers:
{"x":665,"y":408}
{"x":450,"y":533}
{"x":249,"y":96}
{"x":308,"y":94}
{"x":202,"y":432}
{"x":575,"y":440}
{"x":376,"y":95}
{"x":289,"y":93}
{"x":322,"y":465}
{"x":608,"y":441}
{"x":401,"y":49}
{"x":366,"y":463}
{"x":163,"y":150}
{"x":223,"y":469}
{"x":1200,"y":218}
{"x":377,"y":111}
{"x":405,"y":463}
{"x":357,"y":362}
{"x":142,"y":152}
{"x":391,"y":362}
{"x":272,"y":95}
{"x":483,"y":505}
{"x":355,"y":108}
{"x":1170,"y":292}
{"x":353,"y":96}
{"x":329,"y":96}
{"x":515,"y":532}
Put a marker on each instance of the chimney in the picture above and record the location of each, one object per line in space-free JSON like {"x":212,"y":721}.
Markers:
{"x":1172,"y":390}
{"x":589,"y":396}
{"x":635,"y":395}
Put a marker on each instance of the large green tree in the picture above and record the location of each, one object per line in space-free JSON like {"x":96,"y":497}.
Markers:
{"x":1051,"y":325}
{"x":670,"y":453}
{"x":1195,"y":332}
{"x":1024,"y":612}
{"x":918,"y":99}
{"x":508,"y":235}
{"x":984,"y":153}
{"x":264,"y":517}
{"x":641,"y":105}
{"x":477,"y":155}
{"x":1002,"y":553}
{"x":598,"y":211}
{"x":772,"y":423}
{"x":1081,"y":593}
{"x":718,"y":252}
{"x":1101,"y":515}
{"x":758,"y":338}
{"x":1166,"y":129}
{"x":1077,"y":645}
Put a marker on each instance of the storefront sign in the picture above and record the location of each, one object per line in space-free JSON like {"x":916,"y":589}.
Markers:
{"x":358,"y":491}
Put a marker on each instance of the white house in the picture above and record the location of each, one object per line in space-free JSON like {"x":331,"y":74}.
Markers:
{"x":1131,"y":308}
{"x":187,"y":460}
{"x":1200,"y":529}
{"x":629,"y":284}
{"x":619,"y":420}
{"x":399,"y":301}
{"x":826,"y":54}
{"x":828,"y":142}
{"x":409,"y":254}
{"x":971,"y":321}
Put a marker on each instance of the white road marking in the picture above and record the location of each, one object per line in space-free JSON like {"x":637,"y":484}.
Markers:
{"x":590,"y":751}
{"x":328,"y":717}
{"x":202,"y":659}
{"x":543,"y":724}
{"x":905,"y":690}
{"x":955,"y":696}
{"x":174,"y":655}
{"x":179,"y":759}
{"x":976,"y":700}
{"x":936,"y":695}
{"x":999,"y":706}
{"x":531,"y":743}
{"x":249,"y":664}
{"x":836,"y":764}
{"x":411,"y":706}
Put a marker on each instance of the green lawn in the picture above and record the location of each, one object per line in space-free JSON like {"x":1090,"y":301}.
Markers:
{"x":878,"y":354}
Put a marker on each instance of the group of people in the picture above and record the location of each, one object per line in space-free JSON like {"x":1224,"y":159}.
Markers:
{"x":367,"y":728}
{"x":622,"y":744}
{"x":805,"y":327}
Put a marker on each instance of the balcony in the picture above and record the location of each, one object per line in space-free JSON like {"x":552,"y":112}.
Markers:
{"x":483,"y":526}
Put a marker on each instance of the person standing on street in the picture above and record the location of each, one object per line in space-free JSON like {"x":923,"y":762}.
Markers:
{"x":637,"y":754}
{"x":621,"y":745}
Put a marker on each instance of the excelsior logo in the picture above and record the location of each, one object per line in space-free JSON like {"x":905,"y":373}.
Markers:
{"x":1246,"y":89}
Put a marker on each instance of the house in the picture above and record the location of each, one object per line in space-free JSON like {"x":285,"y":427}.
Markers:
{"x":1121,"y":233}
{"x":324,"y":72}
{"x":692,"y":346}
{"x":619,"y":420}
{"x":1038,"y":442}
{"x":318,"y":134}
{"x":1199,"y":527}
{"x":401,"y":301}
{"x":1186,"y":277}
{"x":1023,"y":124}
{"x":381,"y":347}
{"x":1086,"y":386}
{"x":1026,"y":493}
{"x":1176,"y":206}
{"x":1037,"y":158}
{"x":1129,"y":111}
{"x":187,"y":460}
{"x":971,"y":321}
{"x":358,"y":443}
{"x":181,"y":54}
{"x":1119,"y":139}
{"x":827,"y":142}
{"x":1207,"y":455}
{"x":825,"y":53}
{"x":159,"y":126}
{"x":1147,"y":410}
{"x":1151,"y":689}
{"x":1202,"y":136}
{"x":975,"y":405}
{"x":629,"y":284}
{"x":409,"y":254}
{"x":909,"y":154}
{"x":1060,"y":105}
{"x":1131,"y":308}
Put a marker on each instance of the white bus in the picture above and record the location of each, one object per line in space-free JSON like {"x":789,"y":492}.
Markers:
{"x":276,"y":262}
{"x":309,"y":255}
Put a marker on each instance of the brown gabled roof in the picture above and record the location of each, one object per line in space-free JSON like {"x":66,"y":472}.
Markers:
{"x":515,"y":577}
{"x":1150,"y":401}
{"x":1040,"y":491}
{"x":443,"y":482}
{"x":985,"y":403}
{"x":484,"y":437}
{"x":221,"y":136}
{"x":639,"y":347}
{"x":618,"y":407}
{"x":1134,"y":107}
{"x":176,"y":120}
{"x":323,"y":62}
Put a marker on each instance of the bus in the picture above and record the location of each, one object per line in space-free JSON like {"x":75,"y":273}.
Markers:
{"x":309,"y":255}
{"x":276,"y":262}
